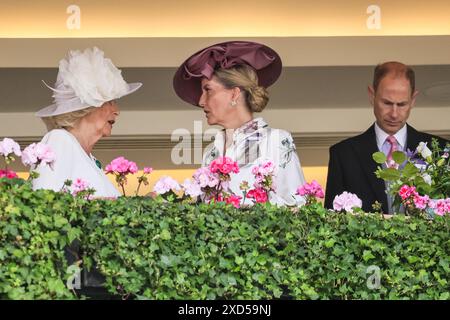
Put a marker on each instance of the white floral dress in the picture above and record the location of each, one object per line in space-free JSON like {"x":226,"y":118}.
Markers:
{"x":255,"y":143}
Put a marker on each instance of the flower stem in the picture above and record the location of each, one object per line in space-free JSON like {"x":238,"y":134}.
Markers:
{"x":139,"y":186}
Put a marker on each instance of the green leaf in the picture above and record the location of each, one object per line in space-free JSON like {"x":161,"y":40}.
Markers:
{"x":165,"y":235}
{"x":399,"y":157}
{"x":60,"y":221}
{"x":73,"y":233}
{"x":410,"y":170}
{"x":367,"y":255}
{"x":329,"y":243}
{"x":239,"y":260}
{"x":412,"y":259}
{"x":379,"y":157}
{"x":390,"y":174}
{"x":444,"y":296}
{"x":121,"y":221}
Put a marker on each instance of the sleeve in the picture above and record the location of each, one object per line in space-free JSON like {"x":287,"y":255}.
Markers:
{"x":289,"y":174}
{"x":335,"y":181}
{"x":53,"y":178}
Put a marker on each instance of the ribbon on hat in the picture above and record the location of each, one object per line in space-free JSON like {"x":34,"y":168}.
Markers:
{"x":226,"y":56}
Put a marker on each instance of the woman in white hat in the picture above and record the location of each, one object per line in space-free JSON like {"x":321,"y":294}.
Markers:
{"x":84,"y":111}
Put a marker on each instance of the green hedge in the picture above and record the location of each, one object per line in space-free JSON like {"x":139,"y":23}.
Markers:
{"x":150,"y":249}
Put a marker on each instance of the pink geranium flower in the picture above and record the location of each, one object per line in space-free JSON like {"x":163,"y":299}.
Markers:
{"x":79,"y":185}
{"x":38,"y":153}
{"x":192,"y":189}
{"x":224,"y":165}
{"x":264,"y":177}
{"x":165,"y":185}
{"x":205,"y":178}
{"x":421,"y":202}
{"x":121,"y":165}
{"x":406,"y":191}
{"x":9,"y":146}
{"x":313,"y":189}
{"x":9,"y":174}
{"x":346,"y":201}
{"x":234,"y":200}
{"x":259,"y":195}
{"x":148,"y":170}
{"x":440,"y":206}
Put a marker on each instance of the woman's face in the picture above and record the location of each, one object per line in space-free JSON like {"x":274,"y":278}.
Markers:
{"x":103,"y":118}
{"x":215,"y":101}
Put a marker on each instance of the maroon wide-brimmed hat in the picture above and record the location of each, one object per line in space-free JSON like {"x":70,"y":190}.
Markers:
{"x":187,"y":79}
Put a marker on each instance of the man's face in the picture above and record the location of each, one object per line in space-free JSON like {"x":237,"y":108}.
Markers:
{"x":392,"y":103}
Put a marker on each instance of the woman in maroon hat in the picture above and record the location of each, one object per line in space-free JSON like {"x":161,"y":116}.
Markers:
{"x":229,"y":81}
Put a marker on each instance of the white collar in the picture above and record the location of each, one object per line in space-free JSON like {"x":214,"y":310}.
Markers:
{"x":400,"y":136}
{"x":239,"y":134}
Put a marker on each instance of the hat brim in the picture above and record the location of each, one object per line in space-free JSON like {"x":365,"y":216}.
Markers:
{"x":55,"y":110}
{"x":190,"y":90}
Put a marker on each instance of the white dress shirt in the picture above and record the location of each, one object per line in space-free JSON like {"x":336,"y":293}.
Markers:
{"x":400,"y":136}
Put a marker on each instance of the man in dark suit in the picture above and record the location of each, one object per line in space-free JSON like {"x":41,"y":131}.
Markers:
{"x":351,"y":167}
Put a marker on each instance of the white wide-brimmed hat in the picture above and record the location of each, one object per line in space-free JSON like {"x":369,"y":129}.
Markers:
{"x":86,"y":79}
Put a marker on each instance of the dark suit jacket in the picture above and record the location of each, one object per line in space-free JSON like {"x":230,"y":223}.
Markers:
{"x":352,"y":169}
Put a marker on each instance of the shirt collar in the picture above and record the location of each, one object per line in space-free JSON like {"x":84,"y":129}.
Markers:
{"x":400,"y":136}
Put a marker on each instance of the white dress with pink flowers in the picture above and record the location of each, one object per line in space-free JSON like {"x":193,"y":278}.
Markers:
{"x":255,"y":143}
{"x":71,"y":163}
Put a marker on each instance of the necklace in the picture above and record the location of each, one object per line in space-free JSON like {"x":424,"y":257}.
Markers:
{"x":98,"y":163}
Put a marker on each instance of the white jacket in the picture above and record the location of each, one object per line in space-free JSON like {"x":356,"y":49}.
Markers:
{"x":71,"y":163}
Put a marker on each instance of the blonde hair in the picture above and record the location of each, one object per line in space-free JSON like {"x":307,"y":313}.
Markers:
{"x":66,"y":120}
{"x":244,"y":77}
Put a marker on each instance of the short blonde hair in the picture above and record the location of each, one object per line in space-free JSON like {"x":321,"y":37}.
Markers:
{"x":66,"y":120}
{"x":244,"y":77}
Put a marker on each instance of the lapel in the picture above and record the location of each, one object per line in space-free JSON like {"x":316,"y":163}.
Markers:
{"x":364,"y":146}
{"x":413,"y":138}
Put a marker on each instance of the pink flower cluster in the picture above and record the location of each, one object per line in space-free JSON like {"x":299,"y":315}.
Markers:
{"x":213,"y":181}
{"x":223,"y":165}
{"x":79,"y":186}
{"x":441,"y":207}
{"x":264,"y":169}
{"x":148,"y":170}
{"x":311,"y":190}
{"x":38,"y":153}
{"x":411,"y":198}
{"x":9,"y":146}
{"x":264,"y":176}
{"x":192,"y":189}
{"x":231,"y":199}
{"x":165,"y":185}
{"x":121,"y":165}
{"x":264,"y":182}
{"x":9,"y":174}
{"x":346,"y":202}
{"x":205,"y":178}
{"x":259,"y":195}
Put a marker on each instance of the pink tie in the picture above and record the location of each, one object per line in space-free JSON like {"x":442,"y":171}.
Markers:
{"x":394,"y":147}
